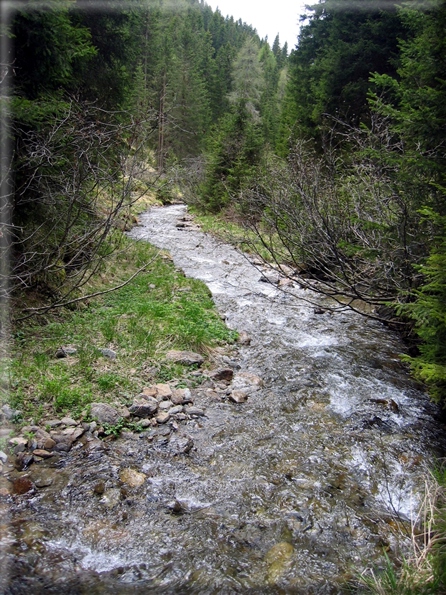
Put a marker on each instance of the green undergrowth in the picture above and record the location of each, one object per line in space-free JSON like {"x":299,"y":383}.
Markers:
{"x":159,"y":310}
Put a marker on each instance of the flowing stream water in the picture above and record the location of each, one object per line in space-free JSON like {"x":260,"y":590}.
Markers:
{"x":297,"y":490}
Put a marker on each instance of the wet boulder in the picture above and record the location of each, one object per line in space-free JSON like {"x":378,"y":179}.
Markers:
{"x":247,"y":382}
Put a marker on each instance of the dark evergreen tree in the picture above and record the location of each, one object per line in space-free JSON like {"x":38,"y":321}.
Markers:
{"x":330,"y":69}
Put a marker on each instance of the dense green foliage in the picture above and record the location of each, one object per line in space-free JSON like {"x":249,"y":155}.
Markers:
{"x":91,"y":93}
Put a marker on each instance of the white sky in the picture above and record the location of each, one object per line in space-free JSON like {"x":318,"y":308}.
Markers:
{"x":269,"y":17}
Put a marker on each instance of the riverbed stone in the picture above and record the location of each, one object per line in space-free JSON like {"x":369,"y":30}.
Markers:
{"x":162,"y":417}
{"x":111,"y":497}
{"x":247,"y":381}
{"x":18,"y":440}
{"x":144,"y":407}
{"x":40,"y":438}
{"x":49,"y":444}
{"x":149,"y":391}
{"x":68,"y":421}
{"x":163,"y":391}
{"x":42,"y":453}
{"x":238,"y":396}
{"x":42,"y":481}
{"x":176,"y":409}
{"x":104,"y":413}
{"x":165,"y":405}
{"x":176,"y":507}
{"x":63,"y":446}
{"x":278,"y":559}
{"x":244,"y":338}
{"x":181,"y":396}
{"x":186,"y":358}
{"x":195,"y":411}
{"x":23,"y":460}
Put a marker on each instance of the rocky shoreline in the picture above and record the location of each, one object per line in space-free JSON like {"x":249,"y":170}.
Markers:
{"x":160,"y":412}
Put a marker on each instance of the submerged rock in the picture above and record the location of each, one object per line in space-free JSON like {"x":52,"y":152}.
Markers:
{"x":180,"y":444}
{"x":132,"y":478}
{"x":278,"y":560}
{"x":111,"y":497}
{"x":22,"y":485}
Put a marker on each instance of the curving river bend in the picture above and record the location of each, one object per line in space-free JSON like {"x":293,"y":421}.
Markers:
{"x":295,"y":491}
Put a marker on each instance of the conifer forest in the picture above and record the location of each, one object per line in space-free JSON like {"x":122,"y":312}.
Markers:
{"x":323,"y":166}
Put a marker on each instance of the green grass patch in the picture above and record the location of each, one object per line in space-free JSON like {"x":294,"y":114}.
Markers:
{"x":158,"y":310}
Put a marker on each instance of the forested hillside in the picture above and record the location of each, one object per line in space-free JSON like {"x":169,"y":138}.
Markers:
{"x":334,"y":155}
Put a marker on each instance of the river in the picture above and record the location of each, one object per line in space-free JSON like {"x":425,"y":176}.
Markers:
{"x":296,"y":490}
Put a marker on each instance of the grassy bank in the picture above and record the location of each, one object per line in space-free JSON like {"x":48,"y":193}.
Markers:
{"x":158,"y":310}
{"x":423,"y":572}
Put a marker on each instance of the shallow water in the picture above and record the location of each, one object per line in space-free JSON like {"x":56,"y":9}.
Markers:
{"x":295,"y":491}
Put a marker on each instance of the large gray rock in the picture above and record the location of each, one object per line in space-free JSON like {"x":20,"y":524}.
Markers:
{"x":144,"y":407}
{"x":186,"y":358}
{"x":8,"y":413}
{"x":104,"y":413}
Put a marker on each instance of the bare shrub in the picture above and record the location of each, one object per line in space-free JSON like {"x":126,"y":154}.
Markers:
{"x":73,"y":186}
{"x":349,"y":225}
